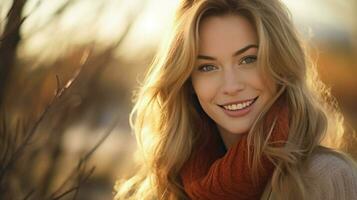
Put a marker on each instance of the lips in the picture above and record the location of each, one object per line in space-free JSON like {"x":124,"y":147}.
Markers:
{"x":238,"y":105}
{"x":239,"y":108}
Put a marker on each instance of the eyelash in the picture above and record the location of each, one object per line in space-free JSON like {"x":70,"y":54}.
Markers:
{"x":244,"y":59}
{"x":202,"y":67}
{"x":248,"y":57}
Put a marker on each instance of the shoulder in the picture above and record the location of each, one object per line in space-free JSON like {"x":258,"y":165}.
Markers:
{"x":326,"y":175}
{"x":331,"y":175}
{"x":326,"y":160}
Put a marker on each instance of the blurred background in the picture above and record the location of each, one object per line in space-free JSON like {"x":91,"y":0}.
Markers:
{"x":68,"y":69}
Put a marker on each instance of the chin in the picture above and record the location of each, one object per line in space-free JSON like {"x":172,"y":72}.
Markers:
{"x":240,"y":131}
{"x":237,"y":130}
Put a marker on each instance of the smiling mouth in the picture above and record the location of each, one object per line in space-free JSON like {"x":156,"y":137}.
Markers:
{"x":239,"y":106}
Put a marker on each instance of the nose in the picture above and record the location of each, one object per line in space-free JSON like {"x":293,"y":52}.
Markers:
{"x":232,"y":83}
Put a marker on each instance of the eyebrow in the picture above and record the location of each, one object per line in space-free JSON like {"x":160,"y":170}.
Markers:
{"x":238,"y":52}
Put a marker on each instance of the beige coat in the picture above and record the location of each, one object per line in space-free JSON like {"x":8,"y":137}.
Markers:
{"x":330,"y":178}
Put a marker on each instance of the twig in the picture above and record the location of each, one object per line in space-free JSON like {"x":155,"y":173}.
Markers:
{"x":87,"y":155}
{"x":29,"y":194}
{"x":56,"y":13}
{"x":30,"y":134}
{"x":76,"y":187}
{"x":22,"y":20}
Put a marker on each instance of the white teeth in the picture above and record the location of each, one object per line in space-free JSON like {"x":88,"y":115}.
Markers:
{"x":238,"y":106}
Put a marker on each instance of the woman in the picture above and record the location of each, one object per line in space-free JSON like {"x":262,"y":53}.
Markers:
{"x":232,"y":109}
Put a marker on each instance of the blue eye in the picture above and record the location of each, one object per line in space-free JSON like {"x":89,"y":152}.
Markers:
{"x":248,"y":59}
{"x":206,"y":68}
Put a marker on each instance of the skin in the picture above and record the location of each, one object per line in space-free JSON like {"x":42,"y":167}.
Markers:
{"x":226,"y":72}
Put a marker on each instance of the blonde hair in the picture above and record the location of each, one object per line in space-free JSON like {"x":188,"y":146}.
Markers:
{"x":167,"y":118}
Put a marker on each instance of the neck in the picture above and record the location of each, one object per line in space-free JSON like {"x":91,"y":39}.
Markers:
{"x":228,"y":138}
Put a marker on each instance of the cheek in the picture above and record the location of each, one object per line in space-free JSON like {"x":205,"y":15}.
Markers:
{"x":263,"y":82}
{"x":269,"y":84}
{"x":205,"y":88}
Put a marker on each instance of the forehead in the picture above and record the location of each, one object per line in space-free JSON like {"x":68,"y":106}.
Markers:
{"x":226,"y":32}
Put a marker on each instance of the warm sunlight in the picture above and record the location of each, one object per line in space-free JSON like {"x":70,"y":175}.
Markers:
{"x":77,"y":112}
{"x":105,"y":21}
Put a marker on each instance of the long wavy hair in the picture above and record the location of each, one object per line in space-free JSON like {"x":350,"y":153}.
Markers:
{"x":166,"y":115}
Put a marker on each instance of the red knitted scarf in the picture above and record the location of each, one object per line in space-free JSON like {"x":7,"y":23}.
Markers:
{"x":212,"y":173}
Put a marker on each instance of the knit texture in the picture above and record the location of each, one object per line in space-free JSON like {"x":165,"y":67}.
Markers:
{"x":328,"y":175}
{"x":212,"y":173}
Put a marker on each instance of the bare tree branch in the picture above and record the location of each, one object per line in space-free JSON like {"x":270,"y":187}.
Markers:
{"x":9,"y":44}
{"x":73,"y":189}
{"x":18,"y":152}
{"x":85,"y":158}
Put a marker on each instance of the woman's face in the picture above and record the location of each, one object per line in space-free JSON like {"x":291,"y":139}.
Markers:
{"x":226,"y":78}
